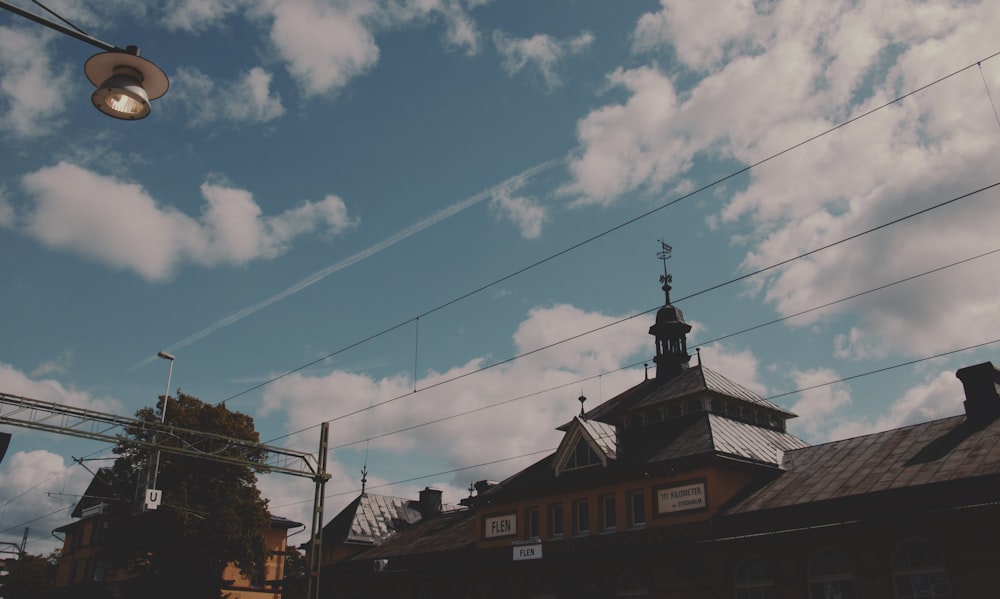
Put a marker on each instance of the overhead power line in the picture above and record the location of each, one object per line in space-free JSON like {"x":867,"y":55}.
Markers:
{"x":613,"y":229}
{"x":617,"y":322}
{"x":646,"y":361}
{"x":524,"y":455}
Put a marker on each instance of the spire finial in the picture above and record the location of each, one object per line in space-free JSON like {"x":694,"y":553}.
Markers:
{"x":581,"y":399}
{"x":665,"y":278}
{"x":364,"y":469}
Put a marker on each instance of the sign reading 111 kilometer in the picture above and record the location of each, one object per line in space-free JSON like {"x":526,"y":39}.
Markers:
{"x":681,"y":498}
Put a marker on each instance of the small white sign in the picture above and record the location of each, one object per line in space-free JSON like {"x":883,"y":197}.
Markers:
{"x":523,"y":552}
{"x":681,"y":499}
{"x":153,"y":497}
{"x":500,"y":526}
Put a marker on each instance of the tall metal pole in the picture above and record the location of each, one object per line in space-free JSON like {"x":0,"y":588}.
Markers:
{"x":163,"y":412}
{"x":316,"y":540}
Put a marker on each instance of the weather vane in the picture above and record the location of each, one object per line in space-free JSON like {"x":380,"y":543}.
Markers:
{"x":665,"y":278}
{"x":664,"y":254}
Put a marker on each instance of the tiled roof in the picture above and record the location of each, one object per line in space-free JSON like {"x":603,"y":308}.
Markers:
{"x":604,"y":435}
{"x":446,"y":532}
{"x":371,"y":518}
{"x":711,"y":433}
{"x":690,"y":382}
{"x":932,"y":452}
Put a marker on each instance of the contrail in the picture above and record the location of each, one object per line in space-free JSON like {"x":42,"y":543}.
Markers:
{"x":443,"y":214}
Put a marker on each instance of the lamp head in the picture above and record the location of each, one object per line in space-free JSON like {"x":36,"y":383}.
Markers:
{"x":125,"y":83}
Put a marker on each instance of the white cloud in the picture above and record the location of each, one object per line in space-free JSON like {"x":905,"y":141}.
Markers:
{"x":324,"y":45}
{"x":197,"y":15}
{"x":460,"y":28}
{"x":6,"y":209}
{"x":246,"y":100}
{"x":514,"y":429}
{"x":684,"y":26}
{"x":523,"y":211}
{"x":121,"y":225}
{"x":940,"y":396}
{"x":31,"y":88}
{"x":766,"y":76}
{"x":58,"y":365}
{"x":817,"y":408}
{"x":540,"y":53}
{"x":31,"y":485}
{"x":15,"y":382}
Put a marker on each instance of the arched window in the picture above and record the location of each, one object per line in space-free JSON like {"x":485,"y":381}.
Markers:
{"x":655,"y":416}
{"x":918,"y":571}
{"x":831,"y":575}
{"x":754,"y":579}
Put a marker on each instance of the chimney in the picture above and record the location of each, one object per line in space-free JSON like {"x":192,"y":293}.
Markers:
{"x":484,"y":485}
{"x":982,"y":401}
{"x":430,"y":502}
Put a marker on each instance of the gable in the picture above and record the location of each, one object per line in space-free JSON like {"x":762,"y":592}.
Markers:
{"x":585,"y":443}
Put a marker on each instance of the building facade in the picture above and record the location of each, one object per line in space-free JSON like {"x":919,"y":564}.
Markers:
{"x":689,"y":485}
{"x":83,"y":571}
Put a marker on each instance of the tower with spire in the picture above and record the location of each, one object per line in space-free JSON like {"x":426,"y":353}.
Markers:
{"x":670,"y":330}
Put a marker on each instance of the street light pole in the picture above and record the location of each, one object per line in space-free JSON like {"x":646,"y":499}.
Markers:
{"x":163,"y":410}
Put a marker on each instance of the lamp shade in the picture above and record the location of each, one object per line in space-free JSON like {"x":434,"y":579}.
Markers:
{"x":125,"y":83}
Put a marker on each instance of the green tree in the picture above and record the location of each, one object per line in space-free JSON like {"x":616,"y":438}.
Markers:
{"x":29,"y":577}
{"x":294,"y":586}
{"x":211,"y":512}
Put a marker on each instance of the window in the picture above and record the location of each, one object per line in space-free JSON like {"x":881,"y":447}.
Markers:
{"x":582,"y":457}
{"x":636,"y":508}
{"x":831,"y":575}
{"x":918,"y":571}
{"x":257,"y":577}
{"x":674,"y":412}
{"x":609,"y":514}
{"x":531,"y":523}
{"x":556,"y":520}
{"x":753,"y":579}
{"x":581,"y":517}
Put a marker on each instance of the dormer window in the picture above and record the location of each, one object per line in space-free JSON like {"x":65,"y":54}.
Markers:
{"x":583,"y":456}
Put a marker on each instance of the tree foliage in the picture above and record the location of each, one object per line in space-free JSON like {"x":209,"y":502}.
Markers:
{"x":295,"y":584}
{"x":211,"y":512}
{"x":29,"y":577}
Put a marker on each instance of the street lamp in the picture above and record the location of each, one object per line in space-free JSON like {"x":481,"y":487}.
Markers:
{"x":163,"y":411}
{"x":125,"y":82}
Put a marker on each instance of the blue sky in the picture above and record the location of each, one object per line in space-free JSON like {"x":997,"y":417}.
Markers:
{"x":322,"y":171}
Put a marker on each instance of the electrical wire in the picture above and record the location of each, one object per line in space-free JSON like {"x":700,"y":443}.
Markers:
{"x":636,"y":315}
{"x":608,"y":232}
{"x":615,"y":228}
{"x":787,"y":393}
{"x":635,"y":364}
